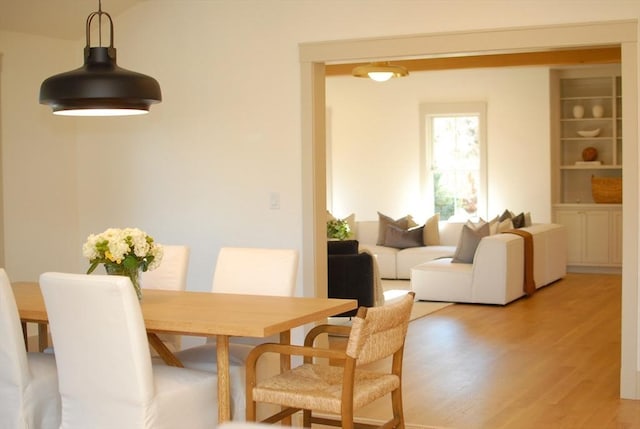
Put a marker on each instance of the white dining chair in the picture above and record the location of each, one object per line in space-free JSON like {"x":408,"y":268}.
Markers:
{"x":251,"y":271}
{"x":28,"y":381}
{"x":171,"y":274}
{"x":105,"y":373}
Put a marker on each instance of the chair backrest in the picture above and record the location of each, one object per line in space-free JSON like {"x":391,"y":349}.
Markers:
{"x":378,"y":332}
{"x":171,"y":274}
{"x":101,"y":347}
{"x":255,"y":271}
{"x":14,"y":367}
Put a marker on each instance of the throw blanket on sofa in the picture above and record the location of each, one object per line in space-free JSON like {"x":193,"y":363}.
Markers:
{"x":529,"y":283}
{"x":378,"y":291}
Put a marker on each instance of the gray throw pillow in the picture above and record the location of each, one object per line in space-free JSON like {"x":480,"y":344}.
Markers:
{"x":403,"y":238}
{"x":468,"y":243}
{"x":384,"y":220}
{"x":518,"y":221}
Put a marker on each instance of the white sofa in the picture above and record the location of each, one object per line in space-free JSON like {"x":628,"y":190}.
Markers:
{"x":496,"y":275}
{"x":396,"y":264}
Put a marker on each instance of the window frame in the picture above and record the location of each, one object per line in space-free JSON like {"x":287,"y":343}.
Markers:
{"x":427,"y":112}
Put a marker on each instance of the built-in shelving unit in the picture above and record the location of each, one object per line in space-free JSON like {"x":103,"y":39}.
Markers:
{"x":586,"y":112}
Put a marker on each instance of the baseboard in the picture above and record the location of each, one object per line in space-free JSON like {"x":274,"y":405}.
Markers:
{"x":582,"y":269}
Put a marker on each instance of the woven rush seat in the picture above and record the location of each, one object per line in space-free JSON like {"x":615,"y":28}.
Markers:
{"x":319,"y":387}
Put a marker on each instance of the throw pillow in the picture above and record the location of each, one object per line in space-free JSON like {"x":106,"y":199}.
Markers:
{"x":403,"y":238}
{"x":431,"y":232}
{"x":505,"y":225}
{"x":527,"y":219}
{"x":518,"y":221}
{"x":505,"y":215}
{"x":384,"y":220}
{"x":468,"y":243}
{"x":493,"y":225}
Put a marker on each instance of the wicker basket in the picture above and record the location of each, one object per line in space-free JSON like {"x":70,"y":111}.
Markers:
{"x":606,"y":190}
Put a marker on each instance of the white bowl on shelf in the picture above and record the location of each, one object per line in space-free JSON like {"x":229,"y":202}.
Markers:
{"x":589,"y":133}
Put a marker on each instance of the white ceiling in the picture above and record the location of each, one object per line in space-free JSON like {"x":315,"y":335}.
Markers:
{"x":63,"y":19}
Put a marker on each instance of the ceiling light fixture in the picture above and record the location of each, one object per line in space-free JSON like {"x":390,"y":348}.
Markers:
{"x":100,"y":87}
{"x":380,"y":71}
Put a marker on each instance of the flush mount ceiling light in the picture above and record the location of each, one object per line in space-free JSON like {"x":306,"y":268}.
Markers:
{"x":100,"y":87}
{"x":380,"y":71}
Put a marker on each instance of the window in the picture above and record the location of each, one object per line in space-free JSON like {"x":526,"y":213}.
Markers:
{"x":454,"y":167}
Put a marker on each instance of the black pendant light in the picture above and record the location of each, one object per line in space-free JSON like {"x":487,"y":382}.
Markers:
{"x":100,"y":87}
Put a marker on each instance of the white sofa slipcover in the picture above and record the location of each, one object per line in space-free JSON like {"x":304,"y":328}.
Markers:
{"x":495,"y":277}
{"x":397,"y":263}
{"x":497,"y":273}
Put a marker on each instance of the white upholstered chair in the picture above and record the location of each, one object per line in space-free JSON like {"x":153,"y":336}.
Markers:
{"x":105,"y":373}
{"x":28,"y":381}
{"x":344,"y":386}
{"x":171,"y":274}
{"x":255,"y":271}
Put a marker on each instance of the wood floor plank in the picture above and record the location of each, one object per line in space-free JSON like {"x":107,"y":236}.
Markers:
{"x":548,"y":361}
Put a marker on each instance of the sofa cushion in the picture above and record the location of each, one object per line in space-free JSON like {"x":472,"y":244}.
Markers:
{"x":384,"y":220}
{"x":468,"y":243}
{"x":403,"y":238}
{"x":408,"y":258}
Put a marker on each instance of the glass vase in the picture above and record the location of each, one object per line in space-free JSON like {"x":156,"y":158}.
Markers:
{"x":134,"y":276}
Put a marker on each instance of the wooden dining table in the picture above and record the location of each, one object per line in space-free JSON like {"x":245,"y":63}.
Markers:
{"x":206,"y":314}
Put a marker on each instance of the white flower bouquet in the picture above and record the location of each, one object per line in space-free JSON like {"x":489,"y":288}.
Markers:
{"x":125,"y":252}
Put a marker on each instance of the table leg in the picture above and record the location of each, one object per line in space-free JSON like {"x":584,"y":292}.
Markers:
{"x":163,"y":351}
{"x":224,"y":405}
{"x":43,"y":337}
{"x":24,"y":334}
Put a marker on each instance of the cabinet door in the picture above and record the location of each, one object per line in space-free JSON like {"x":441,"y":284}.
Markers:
{"x":596,"y":237}
{"x":572,"y":219}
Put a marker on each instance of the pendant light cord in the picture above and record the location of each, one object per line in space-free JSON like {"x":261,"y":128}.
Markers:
{"x":99,"y":13}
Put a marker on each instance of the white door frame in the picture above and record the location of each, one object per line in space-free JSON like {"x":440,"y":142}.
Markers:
{"x":314,"y":56}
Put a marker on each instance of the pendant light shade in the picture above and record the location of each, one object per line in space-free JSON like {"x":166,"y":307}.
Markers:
{"x":380,"y":71}
{"x":100,"y":87}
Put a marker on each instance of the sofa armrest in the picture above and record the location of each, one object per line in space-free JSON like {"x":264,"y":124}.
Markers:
{"x":498,"y":269}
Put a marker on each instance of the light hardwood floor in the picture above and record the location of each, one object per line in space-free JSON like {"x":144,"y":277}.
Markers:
{"x":548,"y":361}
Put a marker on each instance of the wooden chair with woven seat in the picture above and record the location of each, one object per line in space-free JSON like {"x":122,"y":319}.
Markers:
{"x":344,"y":386}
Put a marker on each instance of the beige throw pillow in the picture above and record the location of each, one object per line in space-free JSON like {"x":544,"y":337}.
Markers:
{"x":431,"y":232}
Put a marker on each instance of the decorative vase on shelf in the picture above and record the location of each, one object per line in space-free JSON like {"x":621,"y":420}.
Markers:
{"x":589,"y":154}
{"x":597,"y":111}
{"x":133,"y":274}
{"x":578,"y":111}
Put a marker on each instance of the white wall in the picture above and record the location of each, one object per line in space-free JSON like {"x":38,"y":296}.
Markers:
{"x":375,"y":139}
{"x":38,"y":160}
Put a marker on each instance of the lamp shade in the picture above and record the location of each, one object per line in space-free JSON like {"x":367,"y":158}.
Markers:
{"x":100,"y":87}
{"x":379,"y":71}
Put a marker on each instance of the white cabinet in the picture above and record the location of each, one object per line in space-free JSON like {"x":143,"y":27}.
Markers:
{"x":594,"y":234}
